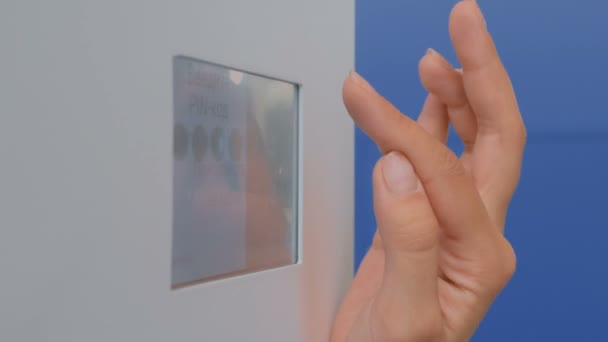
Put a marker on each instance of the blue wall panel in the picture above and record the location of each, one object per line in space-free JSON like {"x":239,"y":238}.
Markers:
{"x":557,"y":54}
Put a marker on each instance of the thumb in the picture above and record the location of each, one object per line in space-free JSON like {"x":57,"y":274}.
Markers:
{"x":407,"y":304}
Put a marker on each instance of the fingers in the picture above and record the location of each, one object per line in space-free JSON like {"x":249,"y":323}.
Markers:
{"x":500,"y":130}
{"x":445,"y":83}
{"x":434,"y":118}
{"x":486,"y":81}
{"x":410,"y":233}
{"x":451,"y":191}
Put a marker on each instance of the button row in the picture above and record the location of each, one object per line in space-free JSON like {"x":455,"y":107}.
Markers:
{"x":199,"y":141}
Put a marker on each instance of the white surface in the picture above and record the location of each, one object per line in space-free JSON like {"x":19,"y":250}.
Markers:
{"x":86,"y":180}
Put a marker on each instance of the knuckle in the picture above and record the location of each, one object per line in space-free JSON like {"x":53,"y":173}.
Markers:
{"x":449,"y":164}
{"x":523,"y":133}
{"x":502,"y":266}
{"x":515,"y":131}
{"x":493,"y":266}
{"x":411,"y":224}
{"x":519,"y":132}
{"x":509,"y":263}
{"x":414,"y":239}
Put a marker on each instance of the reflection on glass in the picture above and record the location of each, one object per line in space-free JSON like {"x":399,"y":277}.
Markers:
{"x":199,"y":143}
{"x":235,"y":172}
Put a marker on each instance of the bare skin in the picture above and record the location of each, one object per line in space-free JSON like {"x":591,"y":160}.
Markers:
{"x":439,"y":257}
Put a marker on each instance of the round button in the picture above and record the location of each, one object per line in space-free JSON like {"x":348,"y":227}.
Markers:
{"x":217,"y":144}
{"x":180,"y":141}
{"x":236,"y":145}
{"x":199,"y":143}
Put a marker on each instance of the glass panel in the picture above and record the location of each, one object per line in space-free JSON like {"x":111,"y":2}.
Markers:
{"x":235,"y":172}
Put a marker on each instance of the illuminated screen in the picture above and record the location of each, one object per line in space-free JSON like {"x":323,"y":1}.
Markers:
{"x":235,"y":137}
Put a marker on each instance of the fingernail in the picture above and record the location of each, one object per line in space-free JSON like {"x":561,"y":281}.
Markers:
{"x":431,"y":51}
{"x":355,"y":77}
{"x":483,"y":19}
{"x":481,"y":16}
{"x":399,"y":174}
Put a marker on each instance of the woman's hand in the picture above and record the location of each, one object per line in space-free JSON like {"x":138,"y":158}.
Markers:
{"x":439,"y":257}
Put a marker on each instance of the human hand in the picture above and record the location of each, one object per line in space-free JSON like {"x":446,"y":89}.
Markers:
{"x":439,"y":257}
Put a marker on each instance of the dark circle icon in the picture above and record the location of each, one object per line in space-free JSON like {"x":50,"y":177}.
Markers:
{"x":180,"y":141}
{"x":236,"y":145}
{"x":217,"y":145}
{"x":199,"y":143}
